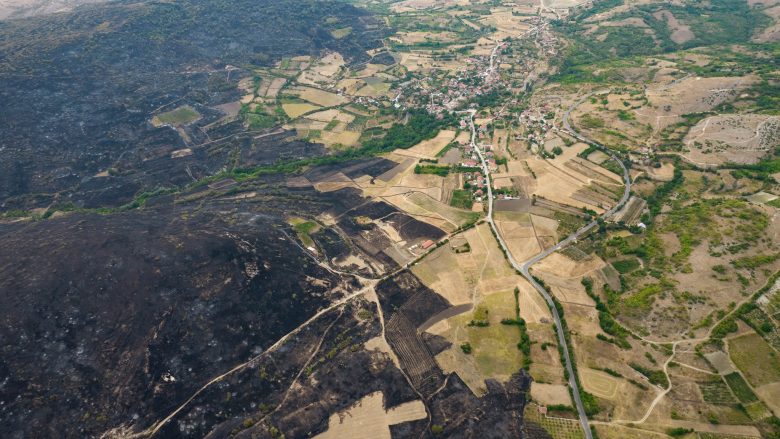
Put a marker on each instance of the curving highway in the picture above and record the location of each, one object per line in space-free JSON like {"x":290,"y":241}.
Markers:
{"x":526,"y":266}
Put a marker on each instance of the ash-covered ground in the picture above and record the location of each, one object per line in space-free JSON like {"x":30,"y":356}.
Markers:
{"x":78,"y":90}
{"x":111,"y":322}
{"x":155,"y":299}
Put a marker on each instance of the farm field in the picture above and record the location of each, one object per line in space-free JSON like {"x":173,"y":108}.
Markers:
{"x":559,"y":428}
{"x":295,"y":110}
{"x":428,"y":149}
{"x":493,"y":353}
{"x":180,"y":116}
{"x":407,"y":218}
{"x":369,"y":419}
{"x":319,"y":97}
{"x":521,"y":234}
{"x":488,"y":296}
{"x":756,"y":359}
{"x":550,"y":394}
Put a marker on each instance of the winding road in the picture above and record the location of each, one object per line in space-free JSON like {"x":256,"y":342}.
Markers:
{"x":525,"y":267}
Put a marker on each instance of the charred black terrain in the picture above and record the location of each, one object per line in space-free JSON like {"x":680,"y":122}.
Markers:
{"x":127,"y":315}
{"x":329,"y":367}
{"x":407,"y":303}
{"x":78,"y":90}
{"x":453,"y":408}
{"x":186,"y":281}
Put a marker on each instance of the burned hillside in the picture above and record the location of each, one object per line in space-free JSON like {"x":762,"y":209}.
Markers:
{"x":79,"y":89}
{"x":128,"y":314}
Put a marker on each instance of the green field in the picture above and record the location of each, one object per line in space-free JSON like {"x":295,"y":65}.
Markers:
{"x":756,"y":359}
{"x":716,"y":392}
{"x":642,"y":300}
{"x":259,"y":121}
{"x":626,"y":265}
{"x":495,"y":345}
{"x":461,"y":199}
{"x":341,"y":33}
{"x":740,"y":387}
{"x":757,"y":411}
{"x":441,"y":171}
{"x":558,"y":428}
{"x":180,"y":116}
{"x":304,"y":229}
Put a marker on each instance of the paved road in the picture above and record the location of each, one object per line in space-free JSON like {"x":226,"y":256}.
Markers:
{"x":525,"y":267}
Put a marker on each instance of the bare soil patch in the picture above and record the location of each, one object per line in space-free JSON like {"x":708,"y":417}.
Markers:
{"x":506,"y":24}
{"x":329,"y":65}
{"x":735,"y":138}
{"x":721,"y":362}
{"x":689,"y":95}
{"x":230,"y":109}
{"x":295,"y":110}
{"x":451,"y":275}
{"x":550,"y":394}
{"x":663,"y":173}
{"x":555,"y":185}
{"x":368,"y":419}
{"x":320,"y":97}
{"x":598,"y":157}
{"x":428,"y":149}
{"x":599,"y":383}
{"x":343,"y":138}
{"x":274,"y":87}
{"x":762,"y":197}
{"x":681,"y":33}
{"x":520,"y":236}
{"x":770,"y":394}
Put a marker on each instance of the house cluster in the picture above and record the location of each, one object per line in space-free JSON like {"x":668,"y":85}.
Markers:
{"x":490,"y":157}
{"x":421,"y":247}
{"x":477,"y":183}
{"x":440,"y":94}
{"x":536,"y":127}
{"x":545,"y":38}
{"x":471,"y":158}
{"x":366,"y":100}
